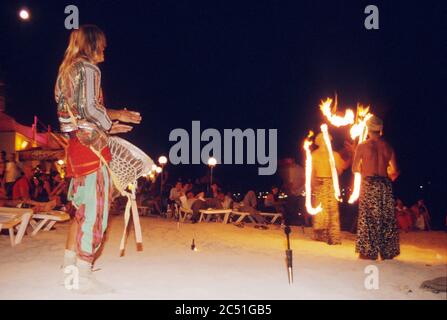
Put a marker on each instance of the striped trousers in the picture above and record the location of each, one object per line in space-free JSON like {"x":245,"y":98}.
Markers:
{"x":90,"y":195}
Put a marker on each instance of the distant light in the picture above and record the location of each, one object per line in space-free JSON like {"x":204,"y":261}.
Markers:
{"x":154,"y":167}
{"x":158,"y":170}
{"x":24,"y":14}
{"x":60,"y":162}
{"x":162,"y":160}
{"x":24,"y":145}
{"x":212,"y":162}
{"x":422,"y":187}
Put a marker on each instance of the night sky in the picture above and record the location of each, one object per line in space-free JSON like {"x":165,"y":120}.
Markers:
{"x":249,"y":64}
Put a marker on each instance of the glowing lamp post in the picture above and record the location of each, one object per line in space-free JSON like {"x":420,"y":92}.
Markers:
{"x":211,"y":163}
{"x":162,"y":160}
{"x":24,"y":14}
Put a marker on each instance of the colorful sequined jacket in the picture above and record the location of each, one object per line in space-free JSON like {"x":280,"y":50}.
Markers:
{"x":79,"y":91}
{"x":82,"y":115}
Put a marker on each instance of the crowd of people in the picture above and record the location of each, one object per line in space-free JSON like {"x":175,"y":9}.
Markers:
{"x":27,"y":185}
{"x":198,"y":196}
{"x":416,"y":217}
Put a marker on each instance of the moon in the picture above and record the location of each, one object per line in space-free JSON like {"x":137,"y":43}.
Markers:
{"x":24,"y":14}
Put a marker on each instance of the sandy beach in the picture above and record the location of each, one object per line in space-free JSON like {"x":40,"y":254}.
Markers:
{"x":230,"y":263}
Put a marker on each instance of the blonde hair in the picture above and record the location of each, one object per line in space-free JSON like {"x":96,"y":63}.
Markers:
{"x":85,"y":42}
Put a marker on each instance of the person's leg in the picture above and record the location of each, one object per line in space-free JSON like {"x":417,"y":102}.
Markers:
{"x":368,"y":220}
{"x":321,"y":219}
{"x":70,"y":245}
{"x":255,"y":214}
{"x":92,"y":217}
{"x":389,"y":235}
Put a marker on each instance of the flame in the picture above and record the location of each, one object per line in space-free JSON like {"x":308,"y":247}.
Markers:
{"x":311,"y":210}
{"x":325,"y":107}
{"x":356,"y":192}
{"x":327,"y":141}
{"x":360,"y":131}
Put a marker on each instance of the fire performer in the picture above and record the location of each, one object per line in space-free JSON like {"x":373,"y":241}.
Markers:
{"x":326,"y":224}
{"x":87,"y":123}
{"x":377,"y":230}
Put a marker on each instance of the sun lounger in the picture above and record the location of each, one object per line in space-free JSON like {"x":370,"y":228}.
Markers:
{"x":215,"y":212}
{"x":271,"y":217}
{"x":15,"y":218}
{"x":47,"y":218}
{"x":9,"y":221}
{"x":183,"y":213}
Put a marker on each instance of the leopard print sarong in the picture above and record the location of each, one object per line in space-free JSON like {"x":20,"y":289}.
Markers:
{"x":326,"y":224}
{"x":377,"y":231}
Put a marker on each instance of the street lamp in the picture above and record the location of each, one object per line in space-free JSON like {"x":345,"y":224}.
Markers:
{"x":211,"y":163}
{"x":162,"y":160}
{"x":24,"y":14}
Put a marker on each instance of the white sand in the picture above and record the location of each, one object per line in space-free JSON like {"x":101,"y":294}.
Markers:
{"x":231,"y":263}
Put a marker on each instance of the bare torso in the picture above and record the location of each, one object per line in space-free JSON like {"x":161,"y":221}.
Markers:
{"x":375,"y":157}
{"x":321,"y":166}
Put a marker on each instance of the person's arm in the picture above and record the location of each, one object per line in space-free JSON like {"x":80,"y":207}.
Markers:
{"x":357,"y":162}
{"x":393,"y":172}
{"x":124,"y":115}
{"x":94,"y":110}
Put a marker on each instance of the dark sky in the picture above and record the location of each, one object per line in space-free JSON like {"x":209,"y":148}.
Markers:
{"x":247,"y":64}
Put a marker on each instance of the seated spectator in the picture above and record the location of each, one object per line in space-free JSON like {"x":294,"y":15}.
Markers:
{"x":249,"y":204}
{"x":403,"y":216}
{"x":41,"y":188}
{"x":22,"y":192}
{"x":21,"y":189}
{"x":272,"y":202}
{"x":214,"y":191}
{"x":423,"y":219}
{"x":227,"y":202}
{"x":201,"y":203}
{"x":176,"y":192}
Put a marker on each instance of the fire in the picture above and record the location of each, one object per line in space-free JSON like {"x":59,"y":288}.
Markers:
{"x":325,"y":107}
{"x":356,"y":192}
{"x":360,"y":131}
{"x":311,"y":210}
{"x":327,"y":141}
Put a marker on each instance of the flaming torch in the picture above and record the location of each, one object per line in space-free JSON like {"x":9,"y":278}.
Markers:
{"x":360,"y":131}
{"x":325,"y":107}
{"x":327,"y":141}
{"x":311,"y":210}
